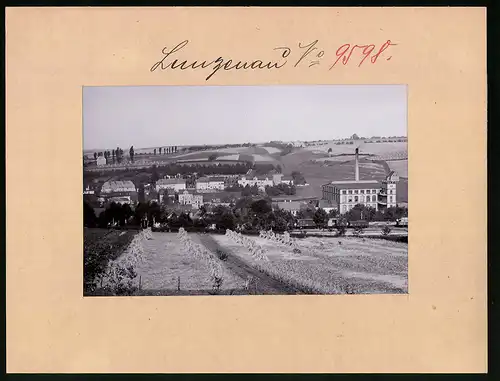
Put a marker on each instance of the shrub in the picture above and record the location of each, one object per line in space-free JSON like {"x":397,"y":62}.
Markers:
{"x":221,"y":255}
{"x":341,"y":231}
{"x":217,"y":284}
{"x":386,"y":230}
{"x":358,"y":231}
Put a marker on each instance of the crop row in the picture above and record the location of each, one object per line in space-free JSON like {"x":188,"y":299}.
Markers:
{"x":283,"y":239}
{"x":255,"y":249}
{"x":201,"y":253}
{"x":301,"y":275}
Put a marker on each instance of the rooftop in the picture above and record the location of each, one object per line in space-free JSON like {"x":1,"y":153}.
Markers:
{"x":362,"y":184}
{"x":167,"y":191}
{"x":207,"y":179}
{"x":192,"y":193}
{"x":119,"y":184}
{"x":170,"y":181}
{"x":121,"y":198}
{"x":293,"y":205}
{"x":327,"y":204}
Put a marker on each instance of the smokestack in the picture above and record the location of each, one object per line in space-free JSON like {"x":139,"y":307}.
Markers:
{"x":356,"y":166}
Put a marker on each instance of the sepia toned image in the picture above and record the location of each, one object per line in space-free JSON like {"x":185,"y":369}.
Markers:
{"x":263,"y":205}
{"x":251,"y":190}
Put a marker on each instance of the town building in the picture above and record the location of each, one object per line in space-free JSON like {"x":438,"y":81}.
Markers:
{"x":118,"y":187}
{"x":293,"y":206}
{"x":193,"y":199}
{"x":327,"y":205}
{"x":347,"y":194}
{"x":88,"y":190}
{"x":176,"y":184}
{"x":279,"y":178}
{"x":371,"y":193}
{"x":221,"y":198}
{"x":387,"y":194}
{"x":163,"y":194}
{"x":101,"y":160}
{"x":287,"y":180}
{"x":120,"y":200}
{"x":210,"y":183}
{"x":260,"y":181}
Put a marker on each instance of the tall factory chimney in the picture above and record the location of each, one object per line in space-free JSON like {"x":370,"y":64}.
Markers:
{"x":356,"y":169}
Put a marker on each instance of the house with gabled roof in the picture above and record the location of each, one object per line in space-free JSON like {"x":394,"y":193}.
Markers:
{"x":210,"y":183}
{"x":174,"y":183}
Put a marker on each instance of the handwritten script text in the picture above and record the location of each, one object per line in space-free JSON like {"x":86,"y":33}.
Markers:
{"x":302,"y":55}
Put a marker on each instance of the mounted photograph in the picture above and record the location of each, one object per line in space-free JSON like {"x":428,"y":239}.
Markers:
{"x":245,"y":190}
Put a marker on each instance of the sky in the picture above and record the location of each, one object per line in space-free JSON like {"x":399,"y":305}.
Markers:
{"x":150,"y":116}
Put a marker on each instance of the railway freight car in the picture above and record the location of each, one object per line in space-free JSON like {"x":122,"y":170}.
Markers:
{"x":306,"y":223}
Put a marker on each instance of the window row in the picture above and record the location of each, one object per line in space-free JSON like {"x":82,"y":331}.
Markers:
{"x":362,"y":191}
{"x":367,"y":198}
{"x":345,"y":208}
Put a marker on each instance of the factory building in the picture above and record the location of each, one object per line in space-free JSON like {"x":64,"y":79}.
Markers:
{"x":371,"y":193}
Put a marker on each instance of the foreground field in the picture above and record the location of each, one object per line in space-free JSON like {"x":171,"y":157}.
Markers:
{"x":168,"y":267}
{"x":316,"y":266}
{"x":100,"y":246}
{"x":347,"y":265}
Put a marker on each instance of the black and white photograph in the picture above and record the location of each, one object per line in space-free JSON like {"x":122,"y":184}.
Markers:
{"x":245,"y":190}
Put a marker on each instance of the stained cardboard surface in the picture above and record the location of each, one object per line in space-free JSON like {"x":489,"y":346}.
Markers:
{"x":439,"y":327}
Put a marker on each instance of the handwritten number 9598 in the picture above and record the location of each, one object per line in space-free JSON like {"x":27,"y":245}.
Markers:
{"x":345,"y":52}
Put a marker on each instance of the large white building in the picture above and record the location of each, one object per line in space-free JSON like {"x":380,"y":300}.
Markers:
{"x":260,"y":181}
{"x":118,"y":186}
{"x":279,"y":178}
{"x":372,"y":193}
{"x":193,"y":199}
{"x":177,"y":185}
{"x":347,"y":194}
{"x":210,"y":184}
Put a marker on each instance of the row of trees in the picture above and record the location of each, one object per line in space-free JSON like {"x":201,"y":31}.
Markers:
{"x":281,"y":189}
{"x":115,"y":155}
{"x":273,"y":191}
{"x":247,"y":213}
{"x":166,"y":150}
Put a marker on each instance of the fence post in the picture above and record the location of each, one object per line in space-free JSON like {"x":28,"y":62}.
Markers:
{"x":140,"y":281}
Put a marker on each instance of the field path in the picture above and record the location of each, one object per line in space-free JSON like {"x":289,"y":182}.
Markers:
{"x":265,"y":284}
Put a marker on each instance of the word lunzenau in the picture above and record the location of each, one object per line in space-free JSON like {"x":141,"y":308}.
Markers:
{"x":216,"y":64}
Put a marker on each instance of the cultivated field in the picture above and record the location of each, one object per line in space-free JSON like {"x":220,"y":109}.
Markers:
{"x":258,"y":154}
{"x":316,"y":266}
{"x":167,"y":268}
{"x":364,"y":148}
{"x":334,"y":265}
{"x":319,"y":167}
{"x":400,"y":166}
